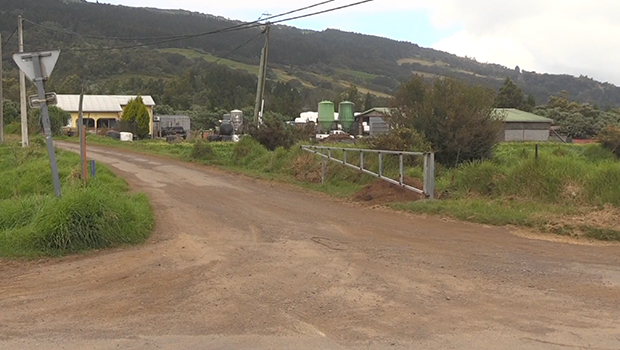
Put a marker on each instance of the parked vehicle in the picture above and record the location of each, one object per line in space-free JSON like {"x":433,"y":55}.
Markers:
{"x":177,"y":131}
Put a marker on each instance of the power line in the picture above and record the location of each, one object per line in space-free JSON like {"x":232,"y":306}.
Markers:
{"x":180,"y":36}
{"x":234,"y":50}
{"x":251,"y":25}
{"x":10,"y":36}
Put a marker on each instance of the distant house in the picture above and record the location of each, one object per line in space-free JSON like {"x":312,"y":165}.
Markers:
{"x":373,"y":122}
{"x":523,"y":126}
{"x":101,"y":111}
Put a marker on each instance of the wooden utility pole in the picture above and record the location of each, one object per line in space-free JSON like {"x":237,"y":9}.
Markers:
{"x":22,"y":85}
{"x":1,"y":97}
{"x":82,"y":133}
{"x":262,"y":76}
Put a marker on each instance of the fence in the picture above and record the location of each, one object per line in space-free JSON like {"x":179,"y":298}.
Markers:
{"x":326,"y":153}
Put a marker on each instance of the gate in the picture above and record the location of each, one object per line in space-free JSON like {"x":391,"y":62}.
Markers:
{"x":326,"y":153}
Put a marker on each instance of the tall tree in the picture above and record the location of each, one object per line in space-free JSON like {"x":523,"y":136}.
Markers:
{"x":137,"y":112}
{"x":456,"y":118}
{"x":510,"y":96}
{"x":368,"y":102}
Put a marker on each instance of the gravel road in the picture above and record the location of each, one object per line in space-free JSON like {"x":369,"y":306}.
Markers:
{"x":239,"y":263}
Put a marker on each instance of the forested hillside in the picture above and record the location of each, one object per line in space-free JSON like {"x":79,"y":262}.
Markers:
{"x":215,"y":71}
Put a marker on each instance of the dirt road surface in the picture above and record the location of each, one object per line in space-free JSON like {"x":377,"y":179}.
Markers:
{"x":237,"y":263}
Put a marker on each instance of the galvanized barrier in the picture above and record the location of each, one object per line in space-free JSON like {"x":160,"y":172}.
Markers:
{"x":326,"y":153}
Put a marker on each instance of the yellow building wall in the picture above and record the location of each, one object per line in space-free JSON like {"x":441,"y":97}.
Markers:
{"x":94,"y":116}
{"x":110,"y":115}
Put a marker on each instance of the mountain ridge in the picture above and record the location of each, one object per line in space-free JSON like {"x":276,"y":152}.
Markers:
{"x":330,"y":59}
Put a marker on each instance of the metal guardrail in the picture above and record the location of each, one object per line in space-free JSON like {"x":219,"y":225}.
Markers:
{"x":326,"y":153}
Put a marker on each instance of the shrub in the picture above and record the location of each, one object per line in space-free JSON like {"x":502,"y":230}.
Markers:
{"x":247,"y":149}
{"x":58,"y":119}
{"x":610,"y":138}
{"x":457,"y":119}
{"x":400,"y":139}
{"x":202,"y":151}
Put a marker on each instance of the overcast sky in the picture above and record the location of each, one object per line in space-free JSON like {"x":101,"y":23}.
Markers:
{"x":551,"y":36}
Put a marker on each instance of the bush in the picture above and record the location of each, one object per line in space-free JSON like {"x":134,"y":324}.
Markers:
{"x":610,"y":138}
{"x":202,"y":151}
{"x":246,"y":150}
{"x":457,"y":119}
{"x":58,"y":119}
{"x":400,"y":139}
{"x":275,"y":133}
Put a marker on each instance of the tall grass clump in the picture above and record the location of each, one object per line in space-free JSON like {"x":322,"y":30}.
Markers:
{"x":33,"y":222}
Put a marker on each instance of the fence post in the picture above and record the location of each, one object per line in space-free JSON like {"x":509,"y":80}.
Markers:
{"x":329,"y":153}
{"x":429,"y":175}
{"x":380,"y":164}
{"x":322,"y":170}
{"x":362,"y":160}
{"x":402,"y":170}
{"x":345,"y":155}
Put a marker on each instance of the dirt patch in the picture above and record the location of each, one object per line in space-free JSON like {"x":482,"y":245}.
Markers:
{"x":383,"y":192}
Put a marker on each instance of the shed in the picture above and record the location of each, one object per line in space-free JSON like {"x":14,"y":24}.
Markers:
{"x":523,"y":126}
{"x":174,"y":120}
{"x":372,"y":122}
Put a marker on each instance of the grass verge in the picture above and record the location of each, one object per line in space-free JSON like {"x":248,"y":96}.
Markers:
{"x":33,"y":222}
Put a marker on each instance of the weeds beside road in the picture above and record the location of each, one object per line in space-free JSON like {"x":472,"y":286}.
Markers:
{"x":33,"y":222}
{"x":569,"y":190}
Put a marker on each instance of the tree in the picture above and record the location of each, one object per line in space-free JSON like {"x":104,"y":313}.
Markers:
{"x":137,"y":112}
{"x":510,"y":96}
{"x":10,"y":109}
{"x":58,"y":118}
{"x":457,"y":119}
{"x":368,"y":102}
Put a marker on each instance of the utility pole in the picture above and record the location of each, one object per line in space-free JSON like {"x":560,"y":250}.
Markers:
{"x":22,"y":85}
{"x":1,"y":98}
{"x":262,"y":76}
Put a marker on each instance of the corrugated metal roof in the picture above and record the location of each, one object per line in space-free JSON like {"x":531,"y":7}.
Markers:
{"x":99,"y":103}
{"x":383,"y":110}
{"x":512,"y":115}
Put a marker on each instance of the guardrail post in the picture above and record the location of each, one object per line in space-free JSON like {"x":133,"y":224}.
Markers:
{"x":362,"y":160}
{"x":429,"y":175}
{"x":402,"y":169}
{"x":380,"y":164}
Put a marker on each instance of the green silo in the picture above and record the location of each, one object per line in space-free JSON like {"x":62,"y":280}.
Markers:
{"x":326,"y":115}
{"x":346,"y":115}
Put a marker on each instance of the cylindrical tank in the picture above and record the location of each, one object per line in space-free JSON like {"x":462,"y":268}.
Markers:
{"x":236,"y":118}
{"x":326,"y":115}
{"x":346,"y":115}
{"x":226,"y":129}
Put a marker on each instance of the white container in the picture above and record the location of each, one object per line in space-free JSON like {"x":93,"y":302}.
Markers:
{"x":126,"y":136}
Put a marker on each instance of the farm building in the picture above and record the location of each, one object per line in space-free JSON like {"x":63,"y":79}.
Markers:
{"x":165,"y":121}
{"x":372,"y":122}
{"x":101,"y":111}
{"x":523,"y":126}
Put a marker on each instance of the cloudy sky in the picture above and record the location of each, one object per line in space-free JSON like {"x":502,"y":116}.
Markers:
{"x":578,"y":37}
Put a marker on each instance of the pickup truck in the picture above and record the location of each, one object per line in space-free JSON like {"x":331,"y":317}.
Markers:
{"x":178,"y":131}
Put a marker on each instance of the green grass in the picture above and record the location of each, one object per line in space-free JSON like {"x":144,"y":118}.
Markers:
{"x":33,"y":222}
{"x":189,"y":53}
{"x":356,"y":74}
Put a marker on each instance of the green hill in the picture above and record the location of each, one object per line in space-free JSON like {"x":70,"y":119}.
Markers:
{"x":315,"y":64}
